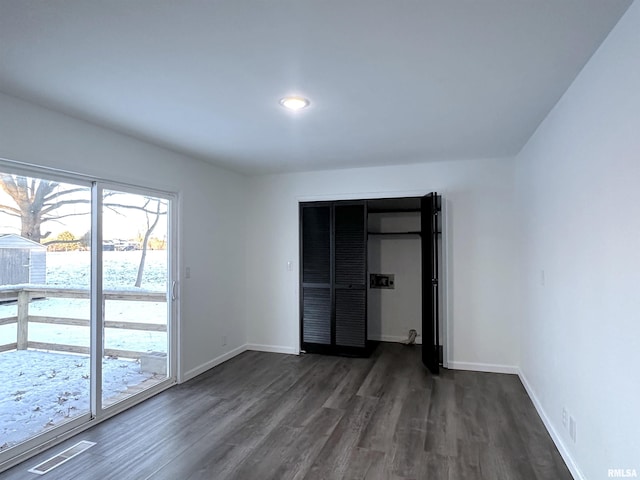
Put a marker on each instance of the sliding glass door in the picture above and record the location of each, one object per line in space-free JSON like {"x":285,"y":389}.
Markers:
{"x":86,"y":303}
{"x":135,"y":283}
{"x":45,"y":263}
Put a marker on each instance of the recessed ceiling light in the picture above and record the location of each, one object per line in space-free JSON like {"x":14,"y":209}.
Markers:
{"x":294,"y":103}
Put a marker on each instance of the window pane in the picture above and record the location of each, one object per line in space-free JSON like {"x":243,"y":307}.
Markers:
{"x":44,"y":305}
{"x":135,"y":282}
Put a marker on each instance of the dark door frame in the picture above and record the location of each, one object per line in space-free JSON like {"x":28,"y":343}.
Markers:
{"x":430,"y":227}
{"x":436,"y":357}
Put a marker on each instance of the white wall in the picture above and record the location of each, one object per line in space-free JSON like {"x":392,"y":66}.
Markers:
{"x":482,"y":270}
{"x":391,"y":313}
{"x":579,"y":189}
{"x":211,"y":217}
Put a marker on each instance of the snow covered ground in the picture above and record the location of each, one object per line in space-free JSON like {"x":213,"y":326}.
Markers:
{"x":119,"y":269}
{"x":47,"y":389}
{"x":39,"y":389}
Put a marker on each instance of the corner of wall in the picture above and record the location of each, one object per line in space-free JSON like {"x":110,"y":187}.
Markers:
{"x":564,"y":451}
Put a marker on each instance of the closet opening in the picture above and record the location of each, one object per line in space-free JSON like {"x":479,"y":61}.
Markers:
{"x":370,"y":272}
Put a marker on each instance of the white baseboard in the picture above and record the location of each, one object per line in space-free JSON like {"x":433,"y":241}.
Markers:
{"x":194,"y":372}
{"x":393,"y":339}
{"x":272,"y":348}
{"x":566,"y":456}
{"x":483,"y":367}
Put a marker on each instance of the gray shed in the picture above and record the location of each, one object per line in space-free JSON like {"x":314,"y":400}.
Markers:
{"x":22,"y":260}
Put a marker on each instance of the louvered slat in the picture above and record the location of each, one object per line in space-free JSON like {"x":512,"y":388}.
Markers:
{"x":350,"y":247}
{"x":350,"y":318}
{"x":350,"y":274}
{"x":316,"y":316}
{"x":316,"y":244}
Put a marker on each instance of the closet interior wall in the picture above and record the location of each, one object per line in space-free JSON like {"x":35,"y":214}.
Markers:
{"x":393,"y":312}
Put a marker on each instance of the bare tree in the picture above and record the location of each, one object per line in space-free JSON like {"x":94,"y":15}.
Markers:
{"x":150,"y":226}
{"x":153,"y":209}
{"x":37,"y":202}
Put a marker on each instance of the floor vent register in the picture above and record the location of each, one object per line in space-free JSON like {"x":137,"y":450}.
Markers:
{"x":61,"y":457}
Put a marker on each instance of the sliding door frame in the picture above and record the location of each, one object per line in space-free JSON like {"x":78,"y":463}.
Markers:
{"x":172,"y":294}
{"x":97,"y":414}
{"x":97,"y":313}
{"x":34,"y":445}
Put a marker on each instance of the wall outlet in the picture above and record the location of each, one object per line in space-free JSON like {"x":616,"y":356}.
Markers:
{"x":572,"y":429}
{"x":187,"y":272}
{"x":565,"y":418}
{"x":224,"y":340}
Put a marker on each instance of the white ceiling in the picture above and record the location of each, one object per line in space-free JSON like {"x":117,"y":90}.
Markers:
{"x":390,"y":81}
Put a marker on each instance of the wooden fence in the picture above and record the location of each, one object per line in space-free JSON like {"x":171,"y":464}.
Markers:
{"x":26,"y":293}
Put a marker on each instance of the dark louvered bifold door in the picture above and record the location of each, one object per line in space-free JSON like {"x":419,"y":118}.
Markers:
{"x":316,"y":274}
{"x":350,"y":275}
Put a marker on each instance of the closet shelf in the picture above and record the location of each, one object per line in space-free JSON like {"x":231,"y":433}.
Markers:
{"x":395,"y":233}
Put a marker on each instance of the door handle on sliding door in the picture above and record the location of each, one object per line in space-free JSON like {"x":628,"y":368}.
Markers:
{"x":173,"y":290}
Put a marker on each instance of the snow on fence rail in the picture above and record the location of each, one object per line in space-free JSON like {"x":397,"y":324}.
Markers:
{"x":25,"y":293}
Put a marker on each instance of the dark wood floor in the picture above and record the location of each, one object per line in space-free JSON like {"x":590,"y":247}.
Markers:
{"x":271,"y":416}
